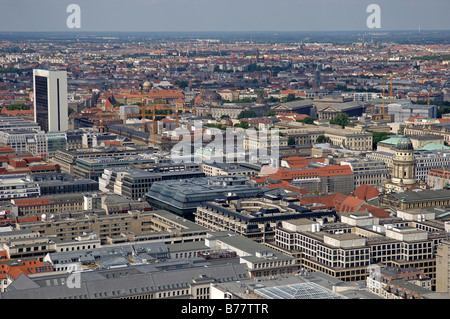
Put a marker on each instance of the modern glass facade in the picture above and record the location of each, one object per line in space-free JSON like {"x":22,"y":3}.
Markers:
{"x":41,"y":97}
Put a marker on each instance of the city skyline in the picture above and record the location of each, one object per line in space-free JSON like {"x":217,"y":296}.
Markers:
{"x":201,"y":15}
{"x":224,"y":151}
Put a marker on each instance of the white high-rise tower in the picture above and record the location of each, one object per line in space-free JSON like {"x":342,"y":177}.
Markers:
{"x":50,"y":100}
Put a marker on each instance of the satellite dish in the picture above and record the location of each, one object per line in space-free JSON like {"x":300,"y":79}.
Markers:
{"x":43,"y":216}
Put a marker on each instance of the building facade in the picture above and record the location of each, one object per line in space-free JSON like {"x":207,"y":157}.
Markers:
{"x":50,"y":100}
{"x":368,"y":172}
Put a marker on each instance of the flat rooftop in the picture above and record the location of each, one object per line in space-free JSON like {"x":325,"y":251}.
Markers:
{"x":416,"y":196}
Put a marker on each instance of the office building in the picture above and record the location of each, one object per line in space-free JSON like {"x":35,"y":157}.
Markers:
{"x":182,"y":197}
{"x":34,"y":142}
{"x":67,"y":159}
{"x":132,"y":226}
{"x":220,"y":169}
{"x":367,"y":172}
{"x":134,"y":183}
{"x":254,"y":218}
{"x":403,"y":110}
{"x":324,"y":179}
{"x":11,"y":123}
{"x":261,"y":261}
{"x":443,"y":267}
{"x":50,"y":100}
{"x":56,"y":141}
{"x":346,"y":250}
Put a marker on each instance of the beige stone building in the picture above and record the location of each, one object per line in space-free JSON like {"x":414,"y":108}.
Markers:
{"x":347,"y":250}
{"x":443,"y":267}
{"x":131,"y":226}
{"x":308,"y":134}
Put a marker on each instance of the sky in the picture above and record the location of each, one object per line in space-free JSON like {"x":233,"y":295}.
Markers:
{"x":223,"y":15}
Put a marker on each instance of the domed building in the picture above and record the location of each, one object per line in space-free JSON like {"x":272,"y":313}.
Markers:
{"x":403,"y":175}
{"x":146,"y":86}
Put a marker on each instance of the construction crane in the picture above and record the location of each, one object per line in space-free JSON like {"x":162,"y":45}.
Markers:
{"x":143,"y":112}
{"x":391,"y":87}
{"x":444,"y":178}
{"x":384,"y":88}
{"x":101,"y":121}
{"x":382,"y":98}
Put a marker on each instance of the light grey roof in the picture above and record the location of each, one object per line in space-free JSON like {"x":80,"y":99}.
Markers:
{"x":131,"y":280}
{"x":22,"y":282}
{"x":412,"y":196}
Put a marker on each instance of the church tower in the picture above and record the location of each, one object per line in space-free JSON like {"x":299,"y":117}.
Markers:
{"x":403,"y":170}
{"x":404,"y":162}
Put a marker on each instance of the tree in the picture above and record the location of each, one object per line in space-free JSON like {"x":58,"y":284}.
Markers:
{"x":308,"y":120}
{"x":323,"y":139}
{"x":443,"y":109}
{"x":270,"y":113}
{"x":291,"y":140}
{"x":18,"y":106}
{"x":341,"y":119}
{"x":247,"y":114}
{"x":183,"y":84}
{"x":378,"y":137}
{"x":243,"y":124}
{"x":289,"y":98}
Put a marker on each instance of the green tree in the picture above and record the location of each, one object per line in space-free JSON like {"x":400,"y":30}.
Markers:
{"x":443,"y":109}
{"x":340,"y":119}
{"x":183,"y":84}
{"x":247,"y":114}
{"x":243,"y":124}
{"x":270,"y":113}
{"x":273,"y":100}
{"x":18,"y":106}
{"x":289,"y":98}
{"x":308,"y":120}
{"x":378,"y":137}
{"x":291,"y":140}
{"x":323,"y":139}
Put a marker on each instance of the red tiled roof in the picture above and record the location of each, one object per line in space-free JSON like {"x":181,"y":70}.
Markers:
{"x":366,"y":192}
{"x":319,"y":201}
{"x":350,"y":204}
{"x":375,"y":211}
{"x":31,"y":202}
{"x":328,"y":170}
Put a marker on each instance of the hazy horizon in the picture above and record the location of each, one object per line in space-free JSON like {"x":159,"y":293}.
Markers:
{"x":223,"y":16}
